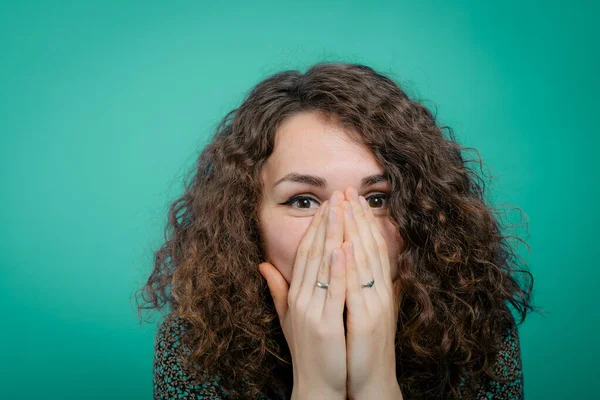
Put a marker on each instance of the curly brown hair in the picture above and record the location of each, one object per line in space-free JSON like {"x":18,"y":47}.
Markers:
{"x":457,"y":269}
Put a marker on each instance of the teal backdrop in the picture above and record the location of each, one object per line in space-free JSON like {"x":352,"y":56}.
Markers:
{"x":104,"y":106}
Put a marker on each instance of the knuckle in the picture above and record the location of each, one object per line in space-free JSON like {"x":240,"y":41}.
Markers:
{"x":330,"y":234}
{"x":323,"y":331}
{"x":373,"y":247}
{"x":372,"y":329}
{"x":302,"y":252}
{"x":297,"y":305}
{"x":292,"y":294}
{"x":313,"y":320}
{"x":379,"y":312}
{"x":365,"y":329}
{"x":324,"y":266}
{"x":336,"y":292}
{"x":291,"y":301}
{"x":315,"y":252}
{"x":361,"y":260}
{"x":386,"y":299}
{"x":361,"y":213}
{"x":336,"y":273}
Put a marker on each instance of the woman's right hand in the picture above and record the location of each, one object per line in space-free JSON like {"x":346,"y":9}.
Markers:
{"x":312,"y":317}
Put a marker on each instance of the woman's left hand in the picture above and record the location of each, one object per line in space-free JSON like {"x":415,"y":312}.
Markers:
{"x":372,"y":312}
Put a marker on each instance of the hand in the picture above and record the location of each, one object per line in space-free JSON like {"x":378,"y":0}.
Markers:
{"x":372,"y":312}
{"x":312,"y":317}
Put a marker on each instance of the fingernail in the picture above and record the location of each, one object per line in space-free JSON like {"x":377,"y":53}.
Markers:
{"x":351,"y":192}
{"x":363,"y":201}
{"x":335,"y":199}
{"x":323,"y":208}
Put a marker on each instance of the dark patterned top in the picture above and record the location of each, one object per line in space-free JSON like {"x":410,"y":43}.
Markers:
{"x":171,"y":381}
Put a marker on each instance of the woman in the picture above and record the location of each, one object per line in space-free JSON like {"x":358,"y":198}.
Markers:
{"x":415,"y":302}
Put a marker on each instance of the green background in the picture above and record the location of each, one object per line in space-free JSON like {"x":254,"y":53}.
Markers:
{"x":105,"y":105}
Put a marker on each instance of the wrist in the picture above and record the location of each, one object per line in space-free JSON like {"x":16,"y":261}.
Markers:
{"x":311,"y":392}
{"x":305,"y":388}
{"x":384,"y":390}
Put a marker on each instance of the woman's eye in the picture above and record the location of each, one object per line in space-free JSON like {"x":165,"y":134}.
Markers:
{"x":300,"y":202}
{"x":376,"y":200}
{"x":303,"y":202}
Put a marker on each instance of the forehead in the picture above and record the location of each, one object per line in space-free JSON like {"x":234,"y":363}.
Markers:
{"x":308,"y":143}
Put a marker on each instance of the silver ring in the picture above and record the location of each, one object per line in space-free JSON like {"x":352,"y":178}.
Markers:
{"x":326,"y":285}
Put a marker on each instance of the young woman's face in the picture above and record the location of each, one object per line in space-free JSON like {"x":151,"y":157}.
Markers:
{"x":305,"y":144}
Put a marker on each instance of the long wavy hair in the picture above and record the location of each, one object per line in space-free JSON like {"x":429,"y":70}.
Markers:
{"x":458,"y":270}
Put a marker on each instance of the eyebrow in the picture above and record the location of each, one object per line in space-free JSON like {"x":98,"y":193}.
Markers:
{"x":317,"y":181}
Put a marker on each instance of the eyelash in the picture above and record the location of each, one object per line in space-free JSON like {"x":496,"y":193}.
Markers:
{"x":297,"y":198}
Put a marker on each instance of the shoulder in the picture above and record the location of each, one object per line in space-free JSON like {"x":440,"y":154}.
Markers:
{"x":170,"y":380}
{"x":508,"y":380}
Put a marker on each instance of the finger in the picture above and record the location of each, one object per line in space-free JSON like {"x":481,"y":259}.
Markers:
{"x":304,"y":249}
{"x":313,"y":261}
{"x":354,"y":298}
{"x":336,"y":293}
{"x":370,"y":243}
{"x":363,"y":269}
{"x":367,"y":240}
{"x":381,"y":243}
{"x":333,"y":238}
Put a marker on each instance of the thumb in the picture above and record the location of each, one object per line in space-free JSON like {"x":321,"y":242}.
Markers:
{"x":278,"y":287}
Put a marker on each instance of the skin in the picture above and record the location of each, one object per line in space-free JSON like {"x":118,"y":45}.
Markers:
{"x":306,"y":143}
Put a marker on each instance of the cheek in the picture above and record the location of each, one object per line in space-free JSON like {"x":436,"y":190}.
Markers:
{"x":281,"y":240}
